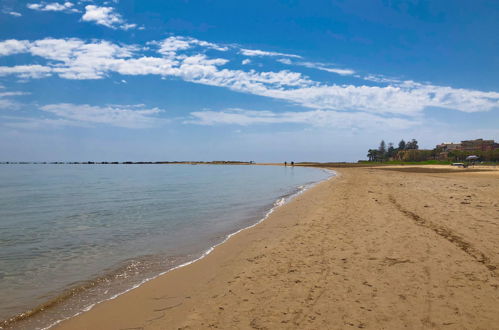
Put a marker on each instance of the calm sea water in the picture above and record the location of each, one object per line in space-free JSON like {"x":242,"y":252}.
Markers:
{"x":72,"y":235}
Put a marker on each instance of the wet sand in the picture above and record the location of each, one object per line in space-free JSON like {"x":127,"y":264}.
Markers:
{"x":372,"y":248}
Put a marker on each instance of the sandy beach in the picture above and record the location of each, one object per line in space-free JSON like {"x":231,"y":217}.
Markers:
{"x":377,"y":248}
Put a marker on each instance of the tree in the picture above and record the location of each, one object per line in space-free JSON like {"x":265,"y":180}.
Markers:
{"x":371,"y":154}
{"x":413,"y":155}
{"x":415,"y":144}
{"x":401,"y":145}
{"x":391,"y":150}
{"x":374,"y":155}
{"x":412,"y":145}
{"x":382,"y":148}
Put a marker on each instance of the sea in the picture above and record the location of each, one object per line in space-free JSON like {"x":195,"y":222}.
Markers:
{"x":74,"y":235}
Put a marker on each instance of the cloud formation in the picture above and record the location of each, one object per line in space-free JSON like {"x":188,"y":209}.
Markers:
{"x":12,"y":46}
{"x":6,"y":101}
{"x":12,"y":13}
{"x":171,"y":45}
{"x":26,"y":71}
{"x":106,"y":16}
{"x":53,"y":6}
{"x":71,"y":58}
{"x":38,"y":123}
{"x":317,"y":118}
{"x":323,"y":67}
{"x":407,"y":98}
{"x":114,"y":115}
{"x":257,"y":52}
{"x":188,"y":59}
{"x":318,"y":66}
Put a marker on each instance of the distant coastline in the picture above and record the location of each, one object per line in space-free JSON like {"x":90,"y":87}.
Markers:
{"x":216,"y":162}
{"x":431,"y":165}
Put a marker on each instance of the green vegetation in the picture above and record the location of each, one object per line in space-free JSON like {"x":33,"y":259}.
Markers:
{"x":406,"y":151}
{"x":400,"y":162}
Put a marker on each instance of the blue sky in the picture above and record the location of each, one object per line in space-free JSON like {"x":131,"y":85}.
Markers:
{"x":260,"y":80}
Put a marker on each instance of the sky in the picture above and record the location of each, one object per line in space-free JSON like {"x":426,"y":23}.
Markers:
{"x":310,"y":80}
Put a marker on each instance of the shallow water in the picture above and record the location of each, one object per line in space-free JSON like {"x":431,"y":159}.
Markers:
{"x":71,"y":235}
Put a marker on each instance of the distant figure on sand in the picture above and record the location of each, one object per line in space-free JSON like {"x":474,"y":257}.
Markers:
{"x":292,"y":163}
{"x":285,"y":163}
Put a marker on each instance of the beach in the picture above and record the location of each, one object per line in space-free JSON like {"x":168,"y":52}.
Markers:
{"x":377,"y":248}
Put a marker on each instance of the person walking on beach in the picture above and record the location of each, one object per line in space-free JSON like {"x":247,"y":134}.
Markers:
{"x":285,"y":163}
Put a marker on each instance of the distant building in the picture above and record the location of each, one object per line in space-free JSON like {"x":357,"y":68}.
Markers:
{"x":478,"y":144}
{"x":469,"y":145}
{"x":449,"y":146}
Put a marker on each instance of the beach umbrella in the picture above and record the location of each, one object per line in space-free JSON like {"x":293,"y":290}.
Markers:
{"x":472,"y":157}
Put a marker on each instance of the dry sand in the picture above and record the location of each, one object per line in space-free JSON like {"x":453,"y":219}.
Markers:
{"x":372,"y":248}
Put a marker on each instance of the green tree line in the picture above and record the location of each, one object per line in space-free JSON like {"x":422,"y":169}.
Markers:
{"x":385,"y":152}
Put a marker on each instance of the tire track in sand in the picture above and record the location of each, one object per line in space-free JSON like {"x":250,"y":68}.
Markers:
{"x":449,"y":235}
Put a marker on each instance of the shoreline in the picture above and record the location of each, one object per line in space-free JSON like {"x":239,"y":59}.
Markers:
{"x":400,"y":260}
{"x":19,"y":319}
{"x":281,"y":201}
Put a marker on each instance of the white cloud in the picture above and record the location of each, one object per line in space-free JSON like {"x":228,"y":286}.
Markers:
{"x":26,"y":71}
{"x":206,"y":44}
{"x":246,"y":61}
{"x":171,"y":45}
{"x":4,"y":94}
{"x":317,"y":118}
{"x":38,"y":123}
{"x":341,"y":72}
{"x":5,"y":99}
{"x":7,"y":104}
{"x":74,"y":58}
{"x":401,"y":99}
{"x":12,"y":13}
{"x":199,"y":69}
{"x":285,"y":61}
{"x":323,"y":67}
{"x":12,"y":46}
{"x":94,"y":60}
{"x":257,"y":52}
{"x":75,"y":50}
{"x":319,"y":66}
{"x":143,"y":66}
{"x":105,"y":16}
{"x":114,"y":115}
{"x":379,"y":79}
{"x":184,"y":58}
{"x":53,"y":6}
